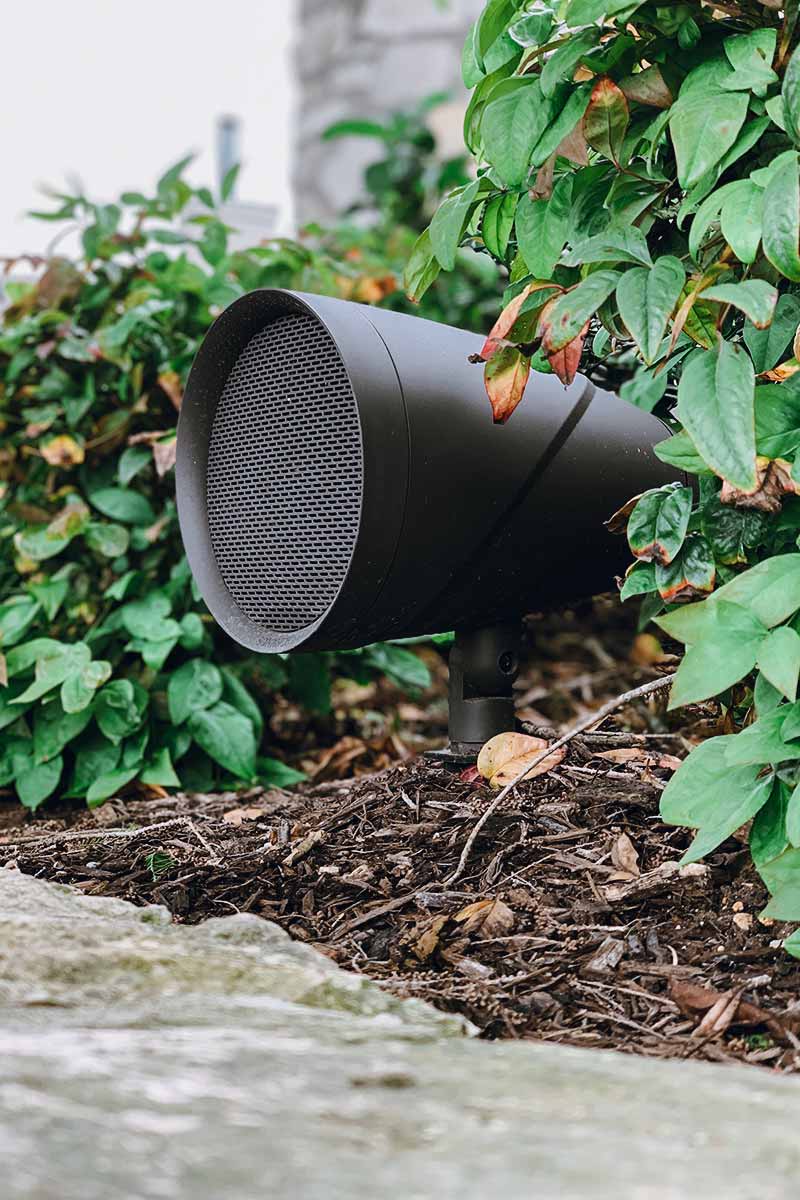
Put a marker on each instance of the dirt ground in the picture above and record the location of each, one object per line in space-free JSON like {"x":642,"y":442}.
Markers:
{"x":571,"y":921}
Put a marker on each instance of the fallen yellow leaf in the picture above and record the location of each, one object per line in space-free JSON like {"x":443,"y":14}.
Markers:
{"x":506,"y":755}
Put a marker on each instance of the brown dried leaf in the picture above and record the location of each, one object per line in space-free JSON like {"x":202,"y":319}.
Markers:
{"x":696,"y":998}
{"x":624,"y":754}
{"x":625,"y":856}
{"x":164,"y":454}
{"x":3,"y":671}
{"x":488,"y":918}
{"x":574,"y":147}
{"x":170,"y":384}
{"x":236,"y":816}
{"x":774,"y":482}
{"x":565,"y":362}
{"x":506,"y":755}
{"x":618,"y":521}
{"x":62,"y":451}
{"x":428,"y":941}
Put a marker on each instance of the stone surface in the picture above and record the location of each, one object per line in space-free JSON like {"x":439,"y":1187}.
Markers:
{"x":145,"y":1061}
{"x":365,"y":59}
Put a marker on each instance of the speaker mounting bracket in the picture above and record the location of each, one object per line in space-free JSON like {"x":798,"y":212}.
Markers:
{"x":483,"y":666}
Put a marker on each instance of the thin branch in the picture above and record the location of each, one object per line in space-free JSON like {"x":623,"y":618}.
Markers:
{"x":654,"y":685}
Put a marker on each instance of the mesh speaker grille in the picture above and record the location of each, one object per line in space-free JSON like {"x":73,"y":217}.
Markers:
{"x":284,"y":475}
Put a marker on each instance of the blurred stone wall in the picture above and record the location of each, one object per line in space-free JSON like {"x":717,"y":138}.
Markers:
{"x":366,"y":58}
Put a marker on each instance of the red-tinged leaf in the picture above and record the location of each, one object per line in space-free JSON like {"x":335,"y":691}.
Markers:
{"x":606,"y":120}
{"x":647,"y":87}
{"x":503,"y":324}
{"x":690,"y":575}
{"x":565,"y":362}
{"x":506,"y":376}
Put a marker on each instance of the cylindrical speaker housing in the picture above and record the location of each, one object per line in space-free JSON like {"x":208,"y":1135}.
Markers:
{"x":340,"y":480}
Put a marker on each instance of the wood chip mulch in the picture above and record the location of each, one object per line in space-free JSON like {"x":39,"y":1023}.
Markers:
{"x":571,"y":923}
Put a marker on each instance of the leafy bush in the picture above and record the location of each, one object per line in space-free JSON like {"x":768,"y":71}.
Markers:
{"x":639,"y":181}
{"x":110,"y":667}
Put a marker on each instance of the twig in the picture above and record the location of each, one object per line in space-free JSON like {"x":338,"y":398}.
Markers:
{"x":94,"y":835}
{"x":645,"y":689}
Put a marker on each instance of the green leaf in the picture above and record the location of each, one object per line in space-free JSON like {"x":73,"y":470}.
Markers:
{"x":422,"y":268}
{"x":716,"y":399}
{"x":133,"y":460}
{"x":498,"y":221}
{"x":770,"y":590}
{"x":159,"y":771}
{"x":109,"y":785}
{"x":721,"y":658}
{"x":449,"y":222}
{"x":646,"y":300}
{"x":120,"y":708}
{"x":510,"y":128}
{"x":692,"y":571}
{"x":639,"y":581}
{"x":571,"y":311}
{"x":586,"y":12}
{"x":403,"y":667}
{"x":790,"y":93}
{"x":96,"y":756}
{"x":273,"y":773}
{"x":704,"y":126}
{"x":51,"y":595}
{"x":16,"y":617}
{"x":560,"y":66}
{"x":229,"y":182}
{"x":765,"y":741}
{"x":53,"y":669}
{"x":54,"y":729}
{"x":767,"y":346}
{"x":227,"y":736}
{"x":194,"y":686}
{"x":310,"y":681}
{"x":680,"y":451}
{"x":123,"y":504}
{"x":236,"y":694}
{"x":615,"y":245}
{"x":742,"y":221}
{"x":191,"y":627}
{"x":562,"y":125}
{"x":146,"y":618}
{"x":768,"y":832}
{"x":730,"y":530}
{"x":779,"y":660}
{"x":77,"y":691}
{"x":793,"y":817}
{"x":541,"y":227}
{"x":645,"y":390}
{"x":108,"y":539}
{"x":705,"y":794}
{"x":782,"y":220}
{"x":754,"y":297}
{"x":782,"y":877}
{"x":38,"y":781}
{"x":657,"y":526}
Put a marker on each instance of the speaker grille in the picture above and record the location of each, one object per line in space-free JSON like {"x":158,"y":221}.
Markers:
{"x":284,"y":475}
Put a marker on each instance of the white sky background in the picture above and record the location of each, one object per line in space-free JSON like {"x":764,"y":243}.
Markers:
{"x":114,"y":92}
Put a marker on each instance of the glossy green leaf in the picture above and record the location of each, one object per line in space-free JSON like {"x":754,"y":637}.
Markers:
{"x":571,"y":311}
{"x":585,"y":12}
{"x":618,"y":244}
{"x":449,"y":222}
{"x":123,"y":504}
{"x":704,"y":126}
{"x":78,"y":689}
{"x":159,"y":771}
{"x":510,"y":128}
{"x":561,"y":64}
{"x":107,"y":538}
{"x":790,"y":93}
{"x":716,"y":399}
{"x":680,"y":451}
{"x":227,"y":736}
{"x":542,"y":227}
{"x":120,"y":708}
{"x":639,"y":581}
{"x":108,"y":785}
{"x":657,"y":526}
{"x":782,"y":220}
{"x":705,"y":794}
{"x":768,"y":346}
{"x":778,"y":419}
{"x":742,"y":222}
{"x":690,"y":573}
{"x":498,"y":222}
{"x":754,"y":297}
{"x":422,"y":268}
{"x":194,"y":686}
{"x":403,"y":667}
{"x":38,"y":781}
{"x":770,"y":590}
{"x":782,"y":877}
{"x":53,"y":669}
{"x":779,"y":660}
{"x":793,"y":817}
{"x":647,"y":298}
{"x":562,"y":125}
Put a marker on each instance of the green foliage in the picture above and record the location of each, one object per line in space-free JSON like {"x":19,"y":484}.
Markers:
{"x":111,"y":669}
{"x":645,"y":160}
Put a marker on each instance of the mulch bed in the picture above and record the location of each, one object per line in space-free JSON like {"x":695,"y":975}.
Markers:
{"x":571,"y":921}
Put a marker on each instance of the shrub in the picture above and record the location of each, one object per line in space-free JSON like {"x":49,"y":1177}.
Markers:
{"x":110,"y":667}
{"x":639,"y":181}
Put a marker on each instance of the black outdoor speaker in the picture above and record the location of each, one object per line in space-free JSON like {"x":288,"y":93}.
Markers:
{"x":340,"y":482}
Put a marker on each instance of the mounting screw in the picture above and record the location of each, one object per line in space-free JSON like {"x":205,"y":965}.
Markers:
{"x":507,"y":663}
